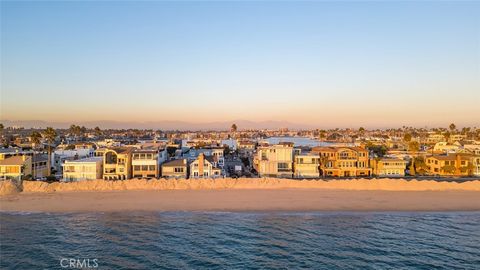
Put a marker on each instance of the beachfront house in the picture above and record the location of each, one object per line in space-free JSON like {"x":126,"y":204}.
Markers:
{"x":40,"y":166}
{"x":205,"y":167}
{"x":117,"y":163}
{"x":145,"y":163}
{"x":452,"y":164}
{"x":343,"y":161}
{"x":15,"y":167}
{"x":389,"y":167}
{"x":89,"y":168}
{"x":306,"y":165}
{"x":175,"y":169}
{"x":274,"y":160}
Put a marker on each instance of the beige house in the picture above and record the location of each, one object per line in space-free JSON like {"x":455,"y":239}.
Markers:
{"x":343,"y":161}
{"x":175,"y":169}
{"x":274,"y":160}
{"x":389,"y":167}
{"x":40,"y":166}
{"x":145,"y":163}
{"x":15,"y":167}
{"x":83,"y":169}
{"x":117,"y":163}
{"x":204,"y":167}
{"x":307,"y":166}
{"x":452,"y":164}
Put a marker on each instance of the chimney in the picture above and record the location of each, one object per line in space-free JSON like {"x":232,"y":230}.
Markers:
{"x":201,"y":159}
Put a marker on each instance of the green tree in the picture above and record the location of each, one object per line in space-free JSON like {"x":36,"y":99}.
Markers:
{"x":50,"y":134}
{"x":1,"y":127}
{"x":233,"y":128}
{"x":98,"y":131}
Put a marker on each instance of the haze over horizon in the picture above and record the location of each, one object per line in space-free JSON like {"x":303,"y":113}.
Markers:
{"x":321,"y":64}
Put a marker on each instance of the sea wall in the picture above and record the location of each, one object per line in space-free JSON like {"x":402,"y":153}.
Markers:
{"x":242,"y":183}
{"x":8,"y":187}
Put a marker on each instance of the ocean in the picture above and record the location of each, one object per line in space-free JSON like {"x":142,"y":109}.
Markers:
{"x":224,"y":240}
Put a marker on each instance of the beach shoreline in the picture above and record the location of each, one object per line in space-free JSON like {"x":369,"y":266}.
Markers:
{"x":232,"y":200}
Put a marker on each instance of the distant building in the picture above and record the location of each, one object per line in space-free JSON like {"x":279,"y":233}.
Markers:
{"x":307,"y":165}
{"x":117,"y":163}
{"x":275,"y":160}
{"x":389,"y":167}
{"x":83,"y":169}
{"x":175,"y":169}
{"x":246,"y":148}
{"x":457,"y":138}
{"x":435,"y":138}
{"x":444,"y":147}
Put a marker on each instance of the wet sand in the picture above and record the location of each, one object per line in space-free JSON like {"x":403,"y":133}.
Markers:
{"x":243,"y":200}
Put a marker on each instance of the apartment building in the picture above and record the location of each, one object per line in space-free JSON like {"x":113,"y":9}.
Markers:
{"x":117,"y":163}
{"x":204,"y":167}
{"x":389,"y":167}
{"x":15,"y":167}
{"x":435,"y":138}
{"x":343,"y":161}
{"x":307,"y":165}
{"x":175,"y":169}
{"x":274,"y":160}
{"x":453,"y":164}
{"x":145,"y":163}
{"x":89,"y":168}
{"x":246,"y":148}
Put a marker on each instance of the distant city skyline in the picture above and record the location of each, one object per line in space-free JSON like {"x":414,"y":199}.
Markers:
{"x":322,"y":64}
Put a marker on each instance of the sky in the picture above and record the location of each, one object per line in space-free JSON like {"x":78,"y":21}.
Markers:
{"x":322,"y":63}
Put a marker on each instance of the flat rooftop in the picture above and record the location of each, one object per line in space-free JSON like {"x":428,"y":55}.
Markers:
{"x":88,"y":159}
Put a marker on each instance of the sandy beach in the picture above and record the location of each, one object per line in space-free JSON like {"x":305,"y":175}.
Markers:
{"x":243,"y":200}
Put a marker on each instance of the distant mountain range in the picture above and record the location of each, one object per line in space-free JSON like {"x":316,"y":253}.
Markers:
{"x":163,"y":125}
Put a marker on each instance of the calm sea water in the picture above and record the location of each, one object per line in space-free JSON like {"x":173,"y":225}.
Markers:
{"x":206,"y":240}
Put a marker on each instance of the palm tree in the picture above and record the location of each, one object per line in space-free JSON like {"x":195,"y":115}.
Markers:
{"x":234,"y":128}
{"x":323,"y":164}
{"x":50,"y":134}
{"x":98,"y":131}
{"x":35,"y":138}
{"x":452,"y":127}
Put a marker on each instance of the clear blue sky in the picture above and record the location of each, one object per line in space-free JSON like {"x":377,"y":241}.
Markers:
{"x":325,"y":63}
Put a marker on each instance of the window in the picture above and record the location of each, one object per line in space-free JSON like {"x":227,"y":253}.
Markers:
{"x":151,"y":167}
{"x":179,"y":170}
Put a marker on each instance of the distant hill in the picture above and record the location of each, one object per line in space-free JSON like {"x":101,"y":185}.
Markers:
{"x":164,"y":125}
